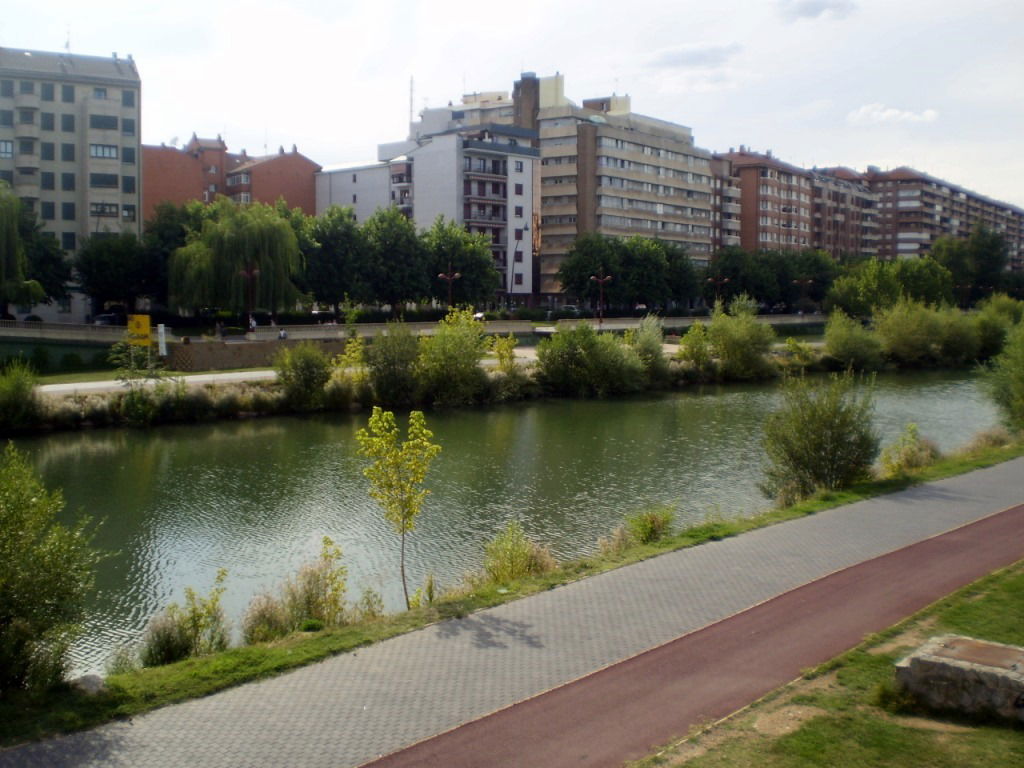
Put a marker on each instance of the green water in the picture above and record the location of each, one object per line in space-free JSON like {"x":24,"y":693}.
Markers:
{"x":256,"y":497}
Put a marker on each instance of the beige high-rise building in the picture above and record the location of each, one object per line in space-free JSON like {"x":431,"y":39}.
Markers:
{"x":608,"y":170}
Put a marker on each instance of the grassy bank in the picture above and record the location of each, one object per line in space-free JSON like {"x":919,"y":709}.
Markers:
{"x":846,"y":712}
{"x":24,"y":717}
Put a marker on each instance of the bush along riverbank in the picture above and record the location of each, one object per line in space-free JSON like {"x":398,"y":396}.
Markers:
{"x":401,"y":370}
{"x":310,"y":615}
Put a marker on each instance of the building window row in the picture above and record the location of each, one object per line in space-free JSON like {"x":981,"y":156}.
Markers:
{"x":237,"y":179}
{"x":608,"y":201}
{"x":626,"y":222}
{"x":653,"y":170}
{"x":103,"y":151}
{"x":651,"y":188}
{"x":694,"y":161}
{"x":557,"y":180}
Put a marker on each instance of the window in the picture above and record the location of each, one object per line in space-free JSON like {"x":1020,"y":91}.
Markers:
{"x":46,"y":121}
{"x":6,"y":117}
{"x":519,"y":189}
{"x":26,"y":86}
{"x":127,"y":98}
{"x":519,"y":234}
{"x":103,"y":209}
{"x":353,"y":178}
{"x":67,"y":94}
{"x":67,"y":182}
{"x":354,"y":199}
{"x":6,"y":149}
{"x":99,"y":93}
{"x":127,"y":213}
{"x":128,"y":185}
{"x":67,"y":123}
{"x":46,"y":150}
{"x":7,"y":88}
{"x":67,"y":211}
{"x":67,"y":153}
{"x":103,"y":150}
{"x":237,"y":179}
{"x":519,"y":211}
{"x":519,"y":255}
{"x":46,"y":179}
{"x":103,"y":180}
{"x":67,"y":241}
{"x":127,"y":126}
{"x":519,"y":165}
{"x":128,"y":155}
{"x":26,"y":146}
{"x":519,"y":277}
{"x":47,"y":211}
{"x":46,"y":89}
{"x":26,"y":116}
{"x":103,"y":122}
{"x":7,"y":176}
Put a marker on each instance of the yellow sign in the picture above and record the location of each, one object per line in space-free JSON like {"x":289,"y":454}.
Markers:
{"x":138,"y":330}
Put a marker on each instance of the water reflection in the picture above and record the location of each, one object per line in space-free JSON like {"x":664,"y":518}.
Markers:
{"x":257,"y":496}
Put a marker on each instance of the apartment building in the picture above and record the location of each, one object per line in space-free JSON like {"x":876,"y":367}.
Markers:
{"x":845,"y":213}
{"x":204,"y":168}
{"x":458,"y":165}
{"x":69,"y":146}
{"x":915,"y":209}
{"x":608,"y":170}
{"x":727,"y":208}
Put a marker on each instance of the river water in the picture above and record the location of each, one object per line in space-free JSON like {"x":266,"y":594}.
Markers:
{"x":256,"y":497}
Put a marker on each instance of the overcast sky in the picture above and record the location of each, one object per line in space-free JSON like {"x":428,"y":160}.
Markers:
{"x":935,"y":84}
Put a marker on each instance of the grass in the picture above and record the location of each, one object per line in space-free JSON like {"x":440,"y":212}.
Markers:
{"x":24,"y":718}
{"x":850,"y":726}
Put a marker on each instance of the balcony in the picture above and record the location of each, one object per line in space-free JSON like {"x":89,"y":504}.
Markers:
{"x":730,"y":240}
{"x":28,"y":188}
{"x":29,"y":163}
{"x":730,"y":208}
{"x":486,"y":217}
{"x":26,"y":131}
{"x":26,"y":100}
{"x":731,"y":224}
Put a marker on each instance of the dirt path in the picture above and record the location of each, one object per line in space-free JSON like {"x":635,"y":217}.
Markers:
{"x":624,"y":711}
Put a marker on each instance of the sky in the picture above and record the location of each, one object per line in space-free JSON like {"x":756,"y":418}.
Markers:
{"x":934,"y":84}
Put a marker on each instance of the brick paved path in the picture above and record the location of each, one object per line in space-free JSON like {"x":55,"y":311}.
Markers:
{"x":350,"y":709}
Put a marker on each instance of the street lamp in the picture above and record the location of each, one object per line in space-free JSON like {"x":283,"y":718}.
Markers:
{"x":450,"y":277}
{"x":804,"y":285}
{"x":250,"y":274}
{"x":718,"y":282}
{"x":601,"y":279}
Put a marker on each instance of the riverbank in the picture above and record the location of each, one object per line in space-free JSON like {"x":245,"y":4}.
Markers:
{"x":137,"y":692}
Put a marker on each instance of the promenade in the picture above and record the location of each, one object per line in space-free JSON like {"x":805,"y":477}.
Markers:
{"x":350,"y":710}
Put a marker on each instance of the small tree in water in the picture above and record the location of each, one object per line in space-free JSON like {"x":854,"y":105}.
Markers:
{"x":398,"y":470}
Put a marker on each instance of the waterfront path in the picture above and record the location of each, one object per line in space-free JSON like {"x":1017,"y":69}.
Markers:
{"x":351,"y":709}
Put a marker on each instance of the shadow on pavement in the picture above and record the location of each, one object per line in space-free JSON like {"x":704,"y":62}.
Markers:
{"x":490,"y":631}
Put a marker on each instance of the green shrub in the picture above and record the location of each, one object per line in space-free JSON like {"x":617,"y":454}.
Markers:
{"x":740,"y":342}
{"x":909,"y":452}
{"x":695,"y":351}
{"x":1005,"y":378}
{"x":349,"y":380}
{"x":647,"y":341}
{"x":448,"y":366}
{"x":138,"y":407}
{"x":995,"y":316}
{"x":579,"y":362}
{"x":370,"y":605}
{"x":511,"y":555}
{"x":851,"y":344}
{"x":20,"y":406}
{"x":798,"y":356}
{"x":821,"y":437}
{"x":909,"y":331}
{"x":650,"y":525}
{"x":302,"y":372}
{"x":616,"y":542}
{"x":46,"y":573}
{"x":265,"y":619}
{"x":391,"y":361}
{"x":959,"y":338}
{"x":197,"y":629}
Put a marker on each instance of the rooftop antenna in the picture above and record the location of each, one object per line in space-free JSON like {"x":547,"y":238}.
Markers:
{"x":67,"y":40}
{"x":411,"y":91}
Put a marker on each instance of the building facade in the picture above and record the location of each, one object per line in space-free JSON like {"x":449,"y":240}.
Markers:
{"x":915,"y":209}
{"x":608,"y":170}
{"x":479,"y":174}
{"x":70,"y":148}
{"x":204,"y":169}
{"x":845,"y":213}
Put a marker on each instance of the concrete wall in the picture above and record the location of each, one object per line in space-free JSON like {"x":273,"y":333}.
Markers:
{"x":437,"y":181}
{"x":364,"y":188}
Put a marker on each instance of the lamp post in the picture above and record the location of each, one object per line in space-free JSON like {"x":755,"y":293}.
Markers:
{"x":718,"y":282}
{"x":450,"y":277}
{"x":601,"y":279}
{"x":804,"y":285}
{"x":250,"y":273}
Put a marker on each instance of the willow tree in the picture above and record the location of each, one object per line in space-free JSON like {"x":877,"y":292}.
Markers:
{"x":244,"y":258}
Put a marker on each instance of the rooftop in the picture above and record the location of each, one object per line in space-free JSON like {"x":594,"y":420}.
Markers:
{"x":62,"y":66}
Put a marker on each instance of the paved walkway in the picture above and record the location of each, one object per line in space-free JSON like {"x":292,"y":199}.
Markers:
{"x":353,"y":708}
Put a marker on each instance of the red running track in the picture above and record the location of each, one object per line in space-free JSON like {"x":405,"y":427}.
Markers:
{"x":624,"y":711}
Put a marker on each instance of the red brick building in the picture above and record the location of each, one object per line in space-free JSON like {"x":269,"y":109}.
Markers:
{"x":204,"y":168}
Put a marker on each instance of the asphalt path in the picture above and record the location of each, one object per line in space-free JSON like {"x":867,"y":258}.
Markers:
{"x":624,"y":711}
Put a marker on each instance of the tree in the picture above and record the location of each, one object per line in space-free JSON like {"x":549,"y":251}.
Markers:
{"x":166,"y":232}
{"x":865,"y":286}
{"x":398,"y":471}
{"x":589,"y":255}
{"x":337,"y":266}
{"x":244,"y":259}
{"x":398,"y":265}
{"x":46,"y":572}
{"x":45,"y":262}
{"x":110,"y":269}
{"x":13,"y":285}
{"x":977,"y":264}
{"x":643,"y":273}
{"x":1006,"y":378}
{"x":682,"y":276}
{"x":450,"y":248}
{"x":925,"y":280}
{"x":820,"y":438}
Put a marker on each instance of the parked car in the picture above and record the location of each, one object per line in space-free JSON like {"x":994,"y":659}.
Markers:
{"x":110,"y":318}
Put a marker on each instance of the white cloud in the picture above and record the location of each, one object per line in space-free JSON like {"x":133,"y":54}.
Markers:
{"x":697,"y":56}
{"x":812,"y":9}
{"x":879,"y":113}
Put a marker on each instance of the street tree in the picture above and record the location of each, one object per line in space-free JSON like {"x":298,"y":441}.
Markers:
{"x":110,"y":269}
{"x":643,"y":273}
{"x":398,"y":470}
{"x":450,"y":248}
{"x":13,"y":285}
{"x":337,"y":266}
{"x":45,"y":261}
{"x":397,"y":261}
{"x":591,"y":254}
